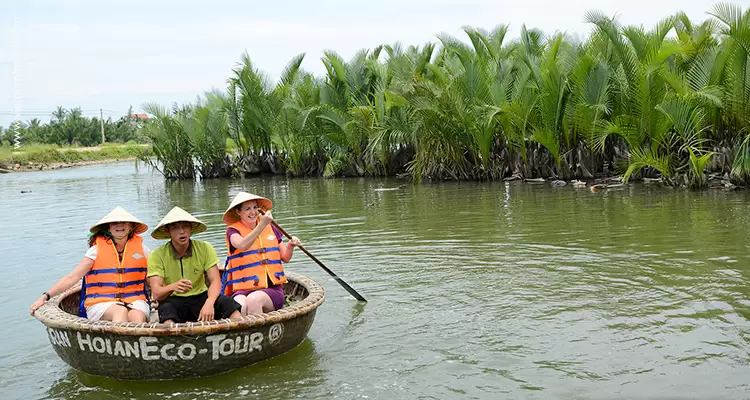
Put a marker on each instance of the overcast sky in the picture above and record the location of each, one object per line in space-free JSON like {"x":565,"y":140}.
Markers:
{"x":112,"y":54}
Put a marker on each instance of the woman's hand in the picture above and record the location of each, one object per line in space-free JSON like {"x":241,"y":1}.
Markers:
{"x":37,"y":304}
{"x":266,"y":218}
{"x":294,"y":242}
{"x":66,"y":282}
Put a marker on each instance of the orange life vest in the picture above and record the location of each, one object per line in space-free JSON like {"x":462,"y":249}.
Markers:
{"x":253,"y":268}
{"x":112,"y":280}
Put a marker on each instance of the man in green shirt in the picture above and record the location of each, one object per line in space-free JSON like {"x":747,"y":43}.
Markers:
{"x":177,"y":271}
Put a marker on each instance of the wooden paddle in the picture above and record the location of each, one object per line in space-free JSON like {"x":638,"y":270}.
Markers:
{"x":312,"y":257}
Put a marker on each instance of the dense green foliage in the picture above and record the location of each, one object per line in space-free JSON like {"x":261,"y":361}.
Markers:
{"x":70,"y":127}
{"x":672,"y":101}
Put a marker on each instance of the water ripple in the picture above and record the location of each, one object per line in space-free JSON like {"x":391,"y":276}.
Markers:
{"x":476,"y":290}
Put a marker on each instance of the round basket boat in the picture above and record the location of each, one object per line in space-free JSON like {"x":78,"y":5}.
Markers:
{"x":153,"y":351}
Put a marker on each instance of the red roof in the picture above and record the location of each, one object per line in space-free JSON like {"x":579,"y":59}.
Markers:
{"x":139,"y":116}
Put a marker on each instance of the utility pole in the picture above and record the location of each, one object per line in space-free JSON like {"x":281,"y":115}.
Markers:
{"x":101,"y":120}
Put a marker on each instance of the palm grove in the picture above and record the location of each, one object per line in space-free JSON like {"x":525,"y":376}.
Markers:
{"x":672,"y":101}
{"x":68,"y":128}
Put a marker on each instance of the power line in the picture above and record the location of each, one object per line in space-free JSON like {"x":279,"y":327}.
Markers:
{"x":51,"y":112}
{"x":37,"y":112}
{"x":40,"y":113}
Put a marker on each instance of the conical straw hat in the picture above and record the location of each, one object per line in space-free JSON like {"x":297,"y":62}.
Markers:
{"x":177,"y":214}
{"x":230,"y":216}
{"x":118,"y":214}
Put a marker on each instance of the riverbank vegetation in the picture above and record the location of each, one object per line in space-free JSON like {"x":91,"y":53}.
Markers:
{"x":672,"y":101}
{"x":42,"y":157}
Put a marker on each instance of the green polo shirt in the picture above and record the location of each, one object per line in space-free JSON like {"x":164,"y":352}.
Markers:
{"x":165,"y":262}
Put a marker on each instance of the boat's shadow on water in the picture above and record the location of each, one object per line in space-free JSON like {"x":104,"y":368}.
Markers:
{"x":296,"y":371}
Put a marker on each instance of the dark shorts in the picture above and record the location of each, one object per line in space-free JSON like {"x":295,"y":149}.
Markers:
{"x":276,"y":293}
{"x":187,"y":308}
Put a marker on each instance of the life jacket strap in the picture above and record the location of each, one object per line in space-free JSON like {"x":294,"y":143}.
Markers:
{"x":116,"y":271}
{"x":114,"y":296}
{"x":114,"y":284}
{"x":251,"y":252}
{"x":255,"y":264}
{"x":245,"y":279}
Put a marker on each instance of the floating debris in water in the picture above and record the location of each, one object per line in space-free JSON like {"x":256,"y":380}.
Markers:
{"x":602,"y":186}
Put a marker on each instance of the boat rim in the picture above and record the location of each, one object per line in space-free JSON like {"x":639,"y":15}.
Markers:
{"x":51,"y":315}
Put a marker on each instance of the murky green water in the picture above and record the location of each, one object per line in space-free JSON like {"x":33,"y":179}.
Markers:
{"x":476,"y":290}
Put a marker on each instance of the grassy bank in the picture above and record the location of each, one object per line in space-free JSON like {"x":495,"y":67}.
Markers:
{"x":40,"y":157}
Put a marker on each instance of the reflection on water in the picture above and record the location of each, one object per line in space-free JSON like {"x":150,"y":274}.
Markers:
{"x":476,"y":290}
{"x":290,"y":374}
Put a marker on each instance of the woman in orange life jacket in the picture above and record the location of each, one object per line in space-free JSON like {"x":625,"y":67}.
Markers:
{"x":113,"y":272}
{"x":254,"y":275}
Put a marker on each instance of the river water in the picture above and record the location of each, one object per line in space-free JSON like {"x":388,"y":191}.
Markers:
{"x":476,"y":290}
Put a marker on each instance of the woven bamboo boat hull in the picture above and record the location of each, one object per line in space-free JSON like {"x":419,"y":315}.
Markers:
{"x":153,"y":351}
